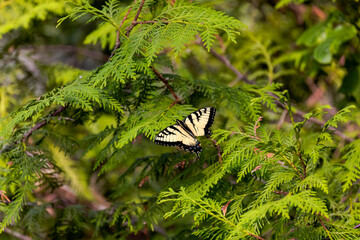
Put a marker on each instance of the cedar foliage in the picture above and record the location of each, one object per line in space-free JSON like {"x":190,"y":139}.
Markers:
{"x":77,"y":162}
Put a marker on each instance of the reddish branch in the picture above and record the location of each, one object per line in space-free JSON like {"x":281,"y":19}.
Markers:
{"x":118,"y":43}
{"x":257,"y":125}
{"x":161,"y":77}
{"x":42,"y":123}
{"x":281,"y":193}
{"x":255,"y":236}
{"x":322,"y":223}
{"x":228,"y":64}
{"x":133,"y":24}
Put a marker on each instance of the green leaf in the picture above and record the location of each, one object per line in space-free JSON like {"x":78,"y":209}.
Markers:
{"x":322,"y":53}
{"x":342,"y":33}
{"x":313,"y":35}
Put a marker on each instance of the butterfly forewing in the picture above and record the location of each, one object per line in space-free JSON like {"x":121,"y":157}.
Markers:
{"x":200,"y":121}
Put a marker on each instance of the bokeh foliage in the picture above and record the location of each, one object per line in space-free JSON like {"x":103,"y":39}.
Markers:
{"x":86,"y":85}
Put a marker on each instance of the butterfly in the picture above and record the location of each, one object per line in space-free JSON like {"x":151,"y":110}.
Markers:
{"x":184,"y":133}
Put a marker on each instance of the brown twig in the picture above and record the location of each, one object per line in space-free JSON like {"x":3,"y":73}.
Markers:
{"x":322,"y":223}
{"x":218,"y":149}
{"x":3,"y":196}
{"x":42,"y":123}
{"x":118,"y":43}
{"x":228,"y":64}
{"x":256,"y":126}
{"x":17,"y":234}
{"x":133,"y":24}
{"x":255,"y":236}
{"x":303,"y":164}
{"x":250,"y":136}
{"x":172,"y":104}
{"x":281,"y":193}
{"x":161,"y":77}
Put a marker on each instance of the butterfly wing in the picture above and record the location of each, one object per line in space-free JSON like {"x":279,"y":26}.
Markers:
{"x":200,"y":121}
{"x":176,"y":135}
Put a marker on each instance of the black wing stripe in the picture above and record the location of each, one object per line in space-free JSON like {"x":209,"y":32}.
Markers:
{"x":210,"y":121}
{"x":191,"y":120}
{"x":200,"y":125}
{"x":197,"y":116}
{"x":172,"y":127}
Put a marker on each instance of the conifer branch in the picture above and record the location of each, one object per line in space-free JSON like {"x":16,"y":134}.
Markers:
{"x":42,"y":123}
{"x":293,"y":166}
{"x":323,"y":225}
{"x":161,"y":77}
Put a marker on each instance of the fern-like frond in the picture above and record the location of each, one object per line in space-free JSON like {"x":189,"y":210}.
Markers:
{"x":78,"y":94}
{"x":352,"y":164}
{"x":312,"y":181}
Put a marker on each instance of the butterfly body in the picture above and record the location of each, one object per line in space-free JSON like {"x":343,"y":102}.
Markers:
{"x":184,"y":133}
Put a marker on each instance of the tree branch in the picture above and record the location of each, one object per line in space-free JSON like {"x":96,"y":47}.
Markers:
{"x":161,"y":77}
{"x":255,"y":236}
{"x":303,"y":164}
{"x":17,"y":234}
{"x":118,"y":43}
{"x":42,"y":123}
{"x":133,"y":24}
{"x":228,"y":64}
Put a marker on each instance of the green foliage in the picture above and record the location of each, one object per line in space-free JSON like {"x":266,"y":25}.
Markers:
{"x":77,"y":158}
{"x":175,"y":26}
{"x":21,"y":14}
{"x":327,"y":38}
{"x":351,"y":165}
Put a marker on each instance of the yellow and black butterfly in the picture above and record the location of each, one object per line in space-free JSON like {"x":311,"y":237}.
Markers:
{"x":184,"y":132}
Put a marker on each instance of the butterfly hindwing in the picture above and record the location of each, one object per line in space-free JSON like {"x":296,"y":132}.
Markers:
{"x":177,"y":135}
{"x":200,"y":121}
